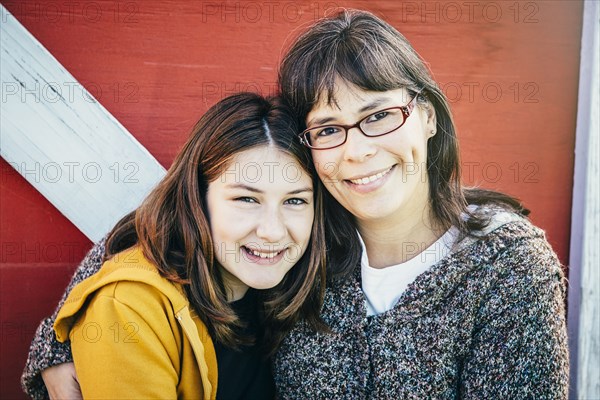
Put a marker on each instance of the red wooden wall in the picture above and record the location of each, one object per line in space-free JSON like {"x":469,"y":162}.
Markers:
{"x":510,"y":69}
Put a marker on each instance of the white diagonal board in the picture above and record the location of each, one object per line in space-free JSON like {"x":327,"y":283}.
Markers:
{"x":65,"y":143}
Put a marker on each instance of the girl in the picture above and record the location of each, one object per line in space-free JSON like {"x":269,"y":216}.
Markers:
{"x":173,"y":312}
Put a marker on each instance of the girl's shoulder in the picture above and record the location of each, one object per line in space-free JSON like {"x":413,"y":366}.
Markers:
{"x":127,"y":278}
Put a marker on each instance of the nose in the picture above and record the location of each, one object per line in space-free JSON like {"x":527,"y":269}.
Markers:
{"x":358,"y":147}
{"x":271,"y":228}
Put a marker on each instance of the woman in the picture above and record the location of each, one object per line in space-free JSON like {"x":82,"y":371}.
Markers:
{"x":434,"y":290}
{"x":457,"y":294}
{"x":174,"y":308}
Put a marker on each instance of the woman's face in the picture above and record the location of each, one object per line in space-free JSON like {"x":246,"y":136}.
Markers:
{"x":375,"y":178}
{"x":261,"y":213}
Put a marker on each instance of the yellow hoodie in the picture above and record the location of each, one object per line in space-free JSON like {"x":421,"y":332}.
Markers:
{"x":134,"y":336}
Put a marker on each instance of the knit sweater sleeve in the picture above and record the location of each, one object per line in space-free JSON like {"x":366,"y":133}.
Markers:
{"x":45,"y":351}
{"x":519,"y":347}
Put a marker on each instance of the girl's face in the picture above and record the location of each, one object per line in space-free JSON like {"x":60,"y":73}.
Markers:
{"x":375,"y":178}
{"x":261,"y":213}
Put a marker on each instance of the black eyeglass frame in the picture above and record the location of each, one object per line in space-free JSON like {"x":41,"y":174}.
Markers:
{"x":406,"y":111}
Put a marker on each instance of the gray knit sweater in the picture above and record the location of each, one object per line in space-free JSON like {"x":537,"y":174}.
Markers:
{"x":45,"y":350}
{"x":486,"y":322}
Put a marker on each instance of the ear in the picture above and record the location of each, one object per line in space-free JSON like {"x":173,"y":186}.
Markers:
{"x":431,"y":124}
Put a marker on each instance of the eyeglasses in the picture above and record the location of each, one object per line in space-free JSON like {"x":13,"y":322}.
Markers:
{"x":379,"y":123}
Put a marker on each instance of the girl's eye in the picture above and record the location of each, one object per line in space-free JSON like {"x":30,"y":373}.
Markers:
{"x":296,"y":201}
{"x":246,"y":199}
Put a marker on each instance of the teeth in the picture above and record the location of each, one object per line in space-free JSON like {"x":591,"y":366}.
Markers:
{"x":263,"y":255}
{"x":369,"y":179}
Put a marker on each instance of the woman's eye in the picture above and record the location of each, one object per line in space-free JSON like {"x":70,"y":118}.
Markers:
{"x":296,"y":201}
{"x":378,"y":116}
{"x":246,"y":199}
{"x":330,"y":130}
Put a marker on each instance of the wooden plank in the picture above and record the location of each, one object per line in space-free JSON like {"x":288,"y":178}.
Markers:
{"x":584,"y":293}
{"x":63,"y":141}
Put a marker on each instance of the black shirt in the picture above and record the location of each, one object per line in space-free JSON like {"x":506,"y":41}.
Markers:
{"x":244,"y":373}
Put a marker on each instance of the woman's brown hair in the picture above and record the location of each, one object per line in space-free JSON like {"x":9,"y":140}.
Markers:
{"x":173,"y":230}
{"x":364,"y":50}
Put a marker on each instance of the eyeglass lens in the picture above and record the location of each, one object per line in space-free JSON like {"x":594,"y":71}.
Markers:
{"x":376,"y":124}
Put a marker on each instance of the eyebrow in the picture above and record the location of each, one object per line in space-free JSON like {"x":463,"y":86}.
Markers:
{"x":368,"y":107}
{"x":255,"y":190}
{"x":374,"y":104}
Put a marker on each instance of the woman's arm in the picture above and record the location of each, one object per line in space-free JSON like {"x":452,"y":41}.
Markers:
{"x":61,"y":382}
{"x":45,"y":350}
{"x":520,"y":345}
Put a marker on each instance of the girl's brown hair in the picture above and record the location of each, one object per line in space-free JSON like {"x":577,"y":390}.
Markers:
{"x":173,"y":230}
{"x":367,"y":52}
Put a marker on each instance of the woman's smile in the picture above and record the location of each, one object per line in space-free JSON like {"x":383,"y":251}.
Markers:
{"x":370,"y":183}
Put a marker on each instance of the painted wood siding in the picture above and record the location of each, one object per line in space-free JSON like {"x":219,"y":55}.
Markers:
{"x":510,"y":69}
